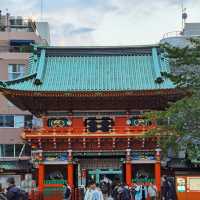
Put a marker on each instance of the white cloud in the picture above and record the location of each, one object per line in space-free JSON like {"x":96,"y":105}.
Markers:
{"x":111,"y":22}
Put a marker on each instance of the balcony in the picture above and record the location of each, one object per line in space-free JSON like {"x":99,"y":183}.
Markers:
{"x":81,"y":132}
{"x":91,"y":134}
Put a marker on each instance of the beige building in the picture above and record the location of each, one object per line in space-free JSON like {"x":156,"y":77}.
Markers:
{"x":16,"y":38}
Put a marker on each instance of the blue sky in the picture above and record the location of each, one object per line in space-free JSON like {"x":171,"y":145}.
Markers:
{"x":106,"y":22}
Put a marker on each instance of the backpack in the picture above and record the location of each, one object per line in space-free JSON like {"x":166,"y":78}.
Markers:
{"x":67,"y":192}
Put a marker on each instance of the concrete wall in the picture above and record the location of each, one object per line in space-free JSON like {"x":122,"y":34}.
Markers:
{"x":12,"y":135}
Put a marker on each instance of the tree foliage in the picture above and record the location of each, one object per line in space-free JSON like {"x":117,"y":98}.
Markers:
{"x":179,"y":125}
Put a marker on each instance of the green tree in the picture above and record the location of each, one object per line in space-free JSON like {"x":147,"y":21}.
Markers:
{"x":179,"y":125}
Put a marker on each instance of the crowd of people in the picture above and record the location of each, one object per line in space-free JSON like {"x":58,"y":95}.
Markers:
{"x":105,"y":190}
{"x":108,"y":190}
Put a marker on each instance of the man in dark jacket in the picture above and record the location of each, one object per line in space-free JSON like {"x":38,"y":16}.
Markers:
{"x":13,"y":192}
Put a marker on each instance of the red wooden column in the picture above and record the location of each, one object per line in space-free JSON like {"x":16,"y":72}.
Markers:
{"x":158,"y":170}
{"x":128,"y":166}
{"x":70,"y":170}
{"x":128,"y":173}
{"x":41,"y":171}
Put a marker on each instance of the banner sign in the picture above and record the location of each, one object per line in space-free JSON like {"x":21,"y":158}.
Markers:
{"x":181,"y":184}
{"x":49,"y":182}
{"x":193,"y":184}
{"x":59,"y":122}
{"x":55,"y":156}
{"x":139,"y":122}
{"x":143,"y":156}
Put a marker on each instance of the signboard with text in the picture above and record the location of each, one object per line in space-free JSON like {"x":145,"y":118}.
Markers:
{"x":193,"y":184}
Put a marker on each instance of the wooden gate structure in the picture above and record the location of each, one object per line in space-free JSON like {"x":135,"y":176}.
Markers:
{"x":92,"y":103}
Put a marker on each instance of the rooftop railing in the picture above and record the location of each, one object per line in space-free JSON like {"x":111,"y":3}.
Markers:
{"x":173,"y":34}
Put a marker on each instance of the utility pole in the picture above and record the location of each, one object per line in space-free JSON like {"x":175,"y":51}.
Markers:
{"x":184,"y":14}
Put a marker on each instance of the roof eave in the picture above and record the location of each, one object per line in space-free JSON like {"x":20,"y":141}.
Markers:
{"x":170,"y":91}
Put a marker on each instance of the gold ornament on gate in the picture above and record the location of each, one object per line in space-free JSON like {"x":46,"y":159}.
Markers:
{"x":57,"y":123}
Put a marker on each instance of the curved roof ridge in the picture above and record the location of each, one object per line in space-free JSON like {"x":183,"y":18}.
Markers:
{"x":100,"y":46}
{"x":9,"y":82}
{"x":95,"y":50}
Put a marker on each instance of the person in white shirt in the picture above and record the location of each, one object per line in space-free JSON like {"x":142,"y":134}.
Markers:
{"x":90,"y":191}
{"x":88,"y":194}
{"x":93,"y":192}
{"x":152,"y":191}
{"x":99,"y":193}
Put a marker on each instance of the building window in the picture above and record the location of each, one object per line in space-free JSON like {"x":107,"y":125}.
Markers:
{"x":9,"y":150}
{"x":14,"y":150}
{"x":28,"y":121}
{"x":19,"y":121}
{"x":12,"y":121}
{"x":7,"y":121}
{"x":15,"y":71}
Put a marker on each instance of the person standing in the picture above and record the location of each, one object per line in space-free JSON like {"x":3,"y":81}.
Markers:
{"x":98,"y":195}
{"x":67,"y":192}
{"x":88,"y":193}
{"x":91,"y":192}
{"x":144,"y":192}
{"x":152,"y":191}
{"x":114,"y":188}
{"x":141,"y":192}
{"x":124,"y":193}
{"x":13,"y":192}
{"x":138,"y":192}
{"x":168,"y":189}
{"x":164,"y":188}
{"x":105,"y":185}
{"x":2,"y":194}
{"x":115,"y":191}
{"x":133,"y":191}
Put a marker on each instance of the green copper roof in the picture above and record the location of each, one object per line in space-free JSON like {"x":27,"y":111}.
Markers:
{"x":84,"y":69}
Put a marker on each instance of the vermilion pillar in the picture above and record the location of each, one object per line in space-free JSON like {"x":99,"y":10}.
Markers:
{"x":128,"y":173}
{"x":128,"y":166}
{"x":157,"y":175}
{"x":70,"y":170}
{"x":41,"y":172}
{"x":158,"y":170}
{"x":70,"y":174}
